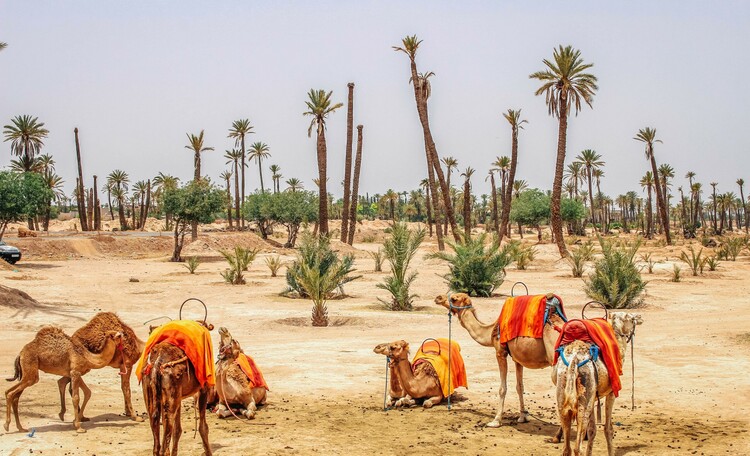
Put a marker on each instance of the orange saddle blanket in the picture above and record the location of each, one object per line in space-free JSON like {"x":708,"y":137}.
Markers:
{"x":192,"y":338}
{"x":252,"y":371}
{"x":435,"y":352}
{"x":523,"y":316}
{"x":599,"y":332}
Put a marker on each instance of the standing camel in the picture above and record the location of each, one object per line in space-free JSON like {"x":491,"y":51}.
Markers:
{"x":524,"y":351}
{"x":90,"y":336}
{"x":55,"y":352}
{"x":176,"y":363}
{"x":234,"y":384}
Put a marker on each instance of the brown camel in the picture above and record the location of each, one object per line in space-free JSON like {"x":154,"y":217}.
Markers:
{"x":579,"y":385}
{"x":55,"y":352}
{"x":422,"y":383}
{"x":167,"y":378}
{"x":232,"y":385}
{"x":397,"y":396}
{"x":90,"y":336}
{"x":524,"y":351}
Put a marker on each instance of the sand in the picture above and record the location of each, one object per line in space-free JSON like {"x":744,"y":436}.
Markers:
{"x":691,"y":353}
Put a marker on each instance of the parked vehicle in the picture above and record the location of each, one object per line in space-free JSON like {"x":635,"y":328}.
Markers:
{"x":9,"y":253}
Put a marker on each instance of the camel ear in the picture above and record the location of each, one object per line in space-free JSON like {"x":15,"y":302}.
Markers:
{"x":637,"y":319}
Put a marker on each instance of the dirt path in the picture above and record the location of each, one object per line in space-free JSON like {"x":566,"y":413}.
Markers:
{"x":327,"y":385}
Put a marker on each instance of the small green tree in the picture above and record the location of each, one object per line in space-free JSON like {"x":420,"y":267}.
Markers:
{"x":22,"y":195}
{"x":399,"y":250}
{"x":292,"y":209}
{"x":258,"y":208}
{"x":531,"y":208}
{"x":616,"y":279}
{"x":197,"y":201}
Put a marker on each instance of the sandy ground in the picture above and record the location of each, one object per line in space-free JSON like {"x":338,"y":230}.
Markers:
{"x":327,"y":385}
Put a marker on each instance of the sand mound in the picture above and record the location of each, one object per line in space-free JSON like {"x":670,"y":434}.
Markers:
{"x":16,"y":299}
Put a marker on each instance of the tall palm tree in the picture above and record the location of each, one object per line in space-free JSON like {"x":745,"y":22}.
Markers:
{"x":425,"y":184}
{"x":348,"y":162}
{"x":234,"y":157}
{"x":26,"y":135}
{"x":741,"y":183}
{"x":139,"y":195}
{"x":422,"y":91}
{"x":195,"y":144}
{"x":519,"y":186}
{"x":495,"y":219}
{"x":648,"y":136}
{"x":575,"y":173}
{"x":163,"y":182}
{"x":354,"y":202}
{"x":259,"y":151}
{"x":666,"y":172}
{"x":516,"y":123}
{"x":275,"y":177}
{"x":226,"y":176}
{"x":118,"y":181}
{"x":715,"y":202}
{"x":450,"y":164}
{"x":467,"y":202}
{"x":565,"y":84}
{"x":391,"y":197}
{"x":590,"y":161}
{"x":647,"y":182}
{"x":240,"y":129}
{"x":319,"y":106}
{"x":294,"y":184}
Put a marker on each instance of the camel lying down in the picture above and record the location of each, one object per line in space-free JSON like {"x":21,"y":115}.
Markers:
{"x":233,"y":385}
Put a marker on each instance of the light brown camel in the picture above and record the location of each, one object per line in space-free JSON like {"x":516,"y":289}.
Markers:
{"x":397,"y":396}
{"x":421,"y":383}
{"x":167,"y":378}
{"x":232,"y":385}
{"x":524,"y":351}
{"x":55,"y":352}
{"x":579,"y":386}
{"x":90,"y":336}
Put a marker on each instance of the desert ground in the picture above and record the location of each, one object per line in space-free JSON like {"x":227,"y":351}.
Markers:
{"x":692,"y":389}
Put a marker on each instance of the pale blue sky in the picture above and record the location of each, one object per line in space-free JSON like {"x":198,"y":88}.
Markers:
{"x":135,"y":76}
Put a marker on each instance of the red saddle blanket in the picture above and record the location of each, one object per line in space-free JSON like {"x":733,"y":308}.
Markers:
{"x":523,"y":316}
{"x":596,"y":331}
{"x":252,"y":371}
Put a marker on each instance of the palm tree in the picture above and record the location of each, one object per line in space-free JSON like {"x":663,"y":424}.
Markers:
{"x":495,"y":219}
{"x":162,"y":183}
{"x":26,"y":135}
{"x":353,"y":203}
{"x":666,"y":172}
{"x":259,"y":151}
{"x":450,"y":164}
{"x":55,"y":184}
{"x":319,"y":107}
{"x":516,"y":123}
{"x":590,"y":161}
{"x":226,"y":176}
{"x":574,"y":174}
{"x":118,"y":182}
{"x":715,"y":203}
{"x":518,"y":187}
{"x":240,"y":129}
{"x":741,"y":183}
{"x":467,"y":202}
{"x":647,"y":182}
{"x":275,"y":177}
{"x":425,"y":184}
{"x":422,"y":91}
{"x":648,"y":136}
{"x":348,"y":162}
{"x":195,"y":144}
{"x":294,"y":184}
{"x":3,"y":45}
{"x":391,"y":197}
{"x":565,"y":84}
{"x":234,"y":157}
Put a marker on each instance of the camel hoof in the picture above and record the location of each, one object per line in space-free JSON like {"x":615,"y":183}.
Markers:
{"x":81,"y":430}
{"x":137,"y":419}
{"x":427,"y":404}
{"x":6,"y":426}
{"x":493,"y":424}
{"x":554,"y":440}
{"x":523,"y":419}
{"x":84,"y":419}
{"x":62,"y":416}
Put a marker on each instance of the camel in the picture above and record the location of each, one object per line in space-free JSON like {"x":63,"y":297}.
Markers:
{"x":90,"y":336}
{"x":421,"y":383}
{"x":55,"y":352}
{"x":579,"y":385}
{"x":397,"y":396}
{"x":232,"y":385}
{"x":167,"y":378}
{"x":524,"y":351}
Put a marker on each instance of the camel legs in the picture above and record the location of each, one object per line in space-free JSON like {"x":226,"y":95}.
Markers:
{"x":125,"y":385}
{"x":428,"y":403}
{"x":608,"y":429}
{"x":77,"y":409}
{"x":203,"y":426}
{"x":61,"y":384}
{"x":171,"y":417}
{"x":522,"y":417}
{"x":154,"y":411}
{"x":585,"y":415}
{"x":30,"y":377}
{"x":502,"y":363}
{"x":565,"y":421}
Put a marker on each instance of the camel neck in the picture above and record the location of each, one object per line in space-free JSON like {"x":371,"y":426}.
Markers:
{"x":99,"y":360}
{"x":479,"y":331}
{"x":409,"y":383}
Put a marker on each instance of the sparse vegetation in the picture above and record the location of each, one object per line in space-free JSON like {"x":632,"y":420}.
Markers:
{"x":239,"y":261}
{"x":650,"y":262}
{"x":712,"y":262}
{"x":521,"y":254}
{"x":675,"y":274}
{"x":399,"y":250}
{"x":274,"y":263}
{"x":192,"y":263}
{"x":695,"y":261}
{"x":616,"y":280}
{"x":315,"y":252}
{"x":731,"y":248}
{"x":378,"y":256}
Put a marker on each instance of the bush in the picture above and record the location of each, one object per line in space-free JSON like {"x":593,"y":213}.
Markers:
{"x":731,"y":248}
{"x":646,"y":258}
{"x":239,"y":260}
{"x":378,"y":257}
{"x":315,"y":251}
{"x":616,"y":281}
{"x":712,"y":262}
{"x":192,"y":264}
{"x":577,"y":260}
{"x":475,"y":268}
{"x":695,"y":262}
{"x":521,"y":254}
{"x":399,"y":250}
{"x":317,"y":272}
{"x":675,"y":274}
{"x":274,"y":264}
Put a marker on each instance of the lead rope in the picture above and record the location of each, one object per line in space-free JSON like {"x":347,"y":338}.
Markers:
{"x":450,"y":319}
{"x":632,"y":371}
{"x":385,"y":391}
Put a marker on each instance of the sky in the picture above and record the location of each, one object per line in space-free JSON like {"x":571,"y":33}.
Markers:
{"x":136,"y":76}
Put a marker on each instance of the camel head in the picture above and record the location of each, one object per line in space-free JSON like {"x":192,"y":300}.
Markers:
{"x":228,"y":347}
{"x":116,"y":336}
{"x":624,"y":323}
{"x":454,"y":302}
{"x":395,"y":350}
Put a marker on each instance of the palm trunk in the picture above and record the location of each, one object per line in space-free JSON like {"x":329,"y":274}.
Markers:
{"x":97,"y":207}
{"x":591,"y":198}
{"x":448,"y":181}
{"x":495,"y":220}
{"x":435,"y":203}
{"x":555,"y":215}
{"x":81,"y":192}
{"x":467,"y":209}
{"x":236,"y":193}
{"x":348,"y":163}
{"x":109,"y":201}
{"x":744,"y":212}
{"x":260,"y":171}
{"x":660,"y":200}
{"x":649,"y":216}
{"x":322,"y":176}
{"x":355,"y":188}
{"x":229,"y":203}
{"x":508,"y":192}
{"x":242,"y":144}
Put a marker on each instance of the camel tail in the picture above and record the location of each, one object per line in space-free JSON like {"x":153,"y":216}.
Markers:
{"x":570,"y":401}
{"x":18,"y":373}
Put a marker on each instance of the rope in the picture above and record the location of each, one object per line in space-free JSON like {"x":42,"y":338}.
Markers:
{"x":632,"y":371}
{"x":385,"y":391}
{"x":450,"y":319}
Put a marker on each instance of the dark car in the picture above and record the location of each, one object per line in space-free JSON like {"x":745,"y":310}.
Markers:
{"x":9,"y":253}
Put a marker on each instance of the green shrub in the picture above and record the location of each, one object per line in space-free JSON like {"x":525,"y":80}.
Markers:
{"x":731,"y":248}
{"x":695,"y":261}
{"x":475,"y":268}
{"x":399,"y":250}
{"x":646,"y":258}
{"x":239,"y":260}
{"x":616,"y":280}
{"x":712,"y":262}
{"x":315,"y":251}
{"x":191,"y":264}
{"x":274,"y":264}
{"x":577,"y":260}
{"x":522,"y":255}
{"x":675,"y":274}
{"x":378,"y":257}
